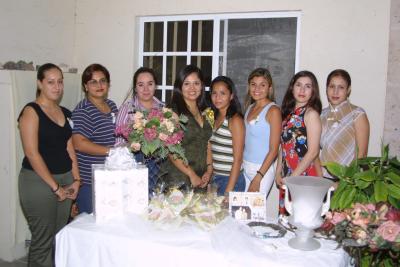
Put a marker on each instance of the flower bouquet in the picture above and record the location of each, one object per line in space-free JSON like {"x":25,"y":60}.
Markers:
{"x":369,"y":232}
{"x":156,"y":133}
{"x":171,"y":209}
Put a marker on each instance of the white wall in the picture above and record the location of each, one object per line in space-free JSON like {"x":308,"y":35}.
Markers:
{"x":37,"y":30}
{"x":348,"y":34}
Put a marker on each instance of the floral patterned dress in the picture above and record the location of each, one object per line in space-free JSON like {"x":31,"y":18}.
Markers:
{"x":294,"y":147}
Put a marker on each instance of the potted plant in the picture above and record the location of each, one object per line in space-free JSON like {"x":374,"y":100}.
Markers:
{"x":365,"y":209}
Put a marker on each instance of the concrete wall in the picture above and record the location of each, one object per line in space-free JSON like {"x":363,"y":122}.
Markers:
{"x":37,"y":30}
{"x":391,"y":132}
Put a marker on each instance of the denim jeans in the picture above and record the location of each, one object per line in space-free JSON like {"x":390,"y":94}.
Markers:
{"x":222,"y":181}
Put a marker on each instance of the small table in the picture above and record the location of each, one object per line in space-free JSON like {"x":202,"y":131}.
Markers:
{"x":134,"y":241}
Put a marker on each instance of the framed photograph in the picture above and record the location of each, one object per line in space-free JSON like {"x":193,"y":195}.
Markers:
{"x":248,"y":206}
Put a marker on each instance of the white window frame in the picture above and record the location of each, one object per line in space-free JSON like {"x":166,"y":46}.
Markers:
{"x":216,"y":18}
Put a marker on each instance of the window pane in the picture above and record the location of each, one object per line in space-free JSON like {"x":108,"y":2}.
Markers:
{"x":202,"y":35}
{"x":153,"y":36}
{"x":154,"y":63}
{"x":221,"y":35}
{"x":268,"y":43}
{"x":177,"y":36}
{"x":168,"y":96}
{"x":174,"y":65}
{"x":205,"y":64}
{"x":158,"y":94}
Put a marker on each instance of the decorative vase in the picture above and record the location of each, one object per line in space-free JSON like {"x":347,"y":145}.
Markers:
{"x":306,"y":208}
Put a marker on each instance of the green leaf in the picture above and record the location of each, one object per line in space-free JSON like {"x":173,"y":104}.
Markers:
{"x":361,"y":197}
{"x":347,"y":197}
{"x":394,"y":178}
{"x":362,"y":184}
{"x":381,"y":191}
{"x":336,"y":169}
{"x":385,"y":152}
{"x":352,"y":169}
{"x":393,"y":191}
{"x":394,"y":202}
{"x":367,"y":176}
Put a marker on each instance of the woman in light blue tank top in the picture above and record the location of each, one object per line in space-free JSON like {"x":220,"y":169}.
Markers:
{"x":263,"y":128}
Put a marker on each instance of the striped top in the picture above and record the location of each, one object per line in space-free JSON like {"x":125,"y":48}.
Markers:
{"x":96,"y":126}
{"x":338,"y":138}
{"x":222,"y":149}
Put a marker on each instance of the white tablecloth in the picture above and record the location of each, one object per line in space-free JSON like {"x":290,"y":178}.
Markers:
{"x":136,"y":242}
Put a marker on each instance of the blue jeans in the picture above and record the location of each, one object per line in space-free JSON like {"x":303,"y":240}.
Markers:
{"x":153,"y":165}
{"x":222,"y":181}
{"x":84,"y":199}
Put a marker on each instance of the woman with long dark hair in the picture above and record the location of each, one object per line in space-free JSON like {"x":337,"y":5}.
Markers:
{"x":301,"y":131}
{"x":227,"y":140}
{"x":188,"y":98}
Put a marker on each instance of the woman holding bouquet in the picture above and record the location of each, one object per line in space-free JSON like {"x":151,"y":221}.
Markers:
{"x":263,"y":129}
{"x":345,"y":127}
{"x":188,"y":98}
{"x":227,"y":140}
{"x":49,"y":163}
{"x":93,"y":132}
{"x":140,"y":98}
{"x":301,"y":131}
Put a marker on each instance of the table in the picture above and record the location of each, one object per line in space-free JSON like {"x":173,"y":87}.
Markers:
{"x":133,"y":241}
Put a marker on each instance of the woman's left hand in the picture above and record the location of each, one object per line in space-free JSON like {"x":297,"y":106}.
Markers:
{"x":205,"y":179}
{"x":254,"y":185}
{"x":72,"y":189}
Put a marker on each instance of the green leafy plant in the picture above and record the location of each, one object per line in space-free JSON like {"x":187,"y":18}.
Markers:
{"x":367,"y":180}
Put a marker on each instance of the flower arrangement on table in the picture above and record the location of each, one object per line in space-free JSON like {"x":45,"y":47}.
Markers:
{"x":156,"y":133}
{"x":171,"y":209}
{"x":365,"y":209}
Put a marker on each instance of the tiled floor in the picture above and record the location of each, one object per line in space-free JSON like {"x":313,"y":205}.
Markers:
{"x":17,"y":263}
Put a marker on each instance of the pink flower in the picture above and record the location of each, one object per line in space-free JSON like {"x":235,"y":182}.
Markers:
{"x":155,"y":113}
{"x":135,"y":146}
{"x":338,"y":217}
{"x":389,"y":230}
{"x":150,"y":134}
{"x":393,"y":214}
{"x":174,"y":139}
{"x":163,"y":136}
{"x":122,"y":130}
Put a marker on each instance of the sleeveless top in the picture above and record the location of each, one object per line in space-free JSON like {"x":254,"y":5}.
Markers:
{"x":222,"y":149}
{"x":338,"y":138}
{"x":257,"y":136}
{"x":52,"y":141}
{"x":294,"y":143}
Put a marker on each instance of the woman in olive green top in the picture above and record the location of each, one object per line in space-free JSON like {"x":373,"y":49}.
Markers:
{"x":189,"y":99}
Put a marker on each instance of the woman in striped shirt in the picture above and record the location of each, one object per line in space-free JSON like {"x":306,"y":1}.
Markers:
{"x":227,"y":140}
{"x":93,"y":129}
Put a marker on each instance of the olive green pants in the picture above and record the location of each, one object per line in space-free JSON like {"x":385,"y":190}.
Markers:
{"x":45,"y":215}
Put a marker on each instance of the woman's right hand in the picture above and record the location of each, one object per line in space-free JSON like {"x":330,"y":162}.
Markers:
{"x":196,"y":180}
{"x":61,"y":194}
{"x":279,"y":180}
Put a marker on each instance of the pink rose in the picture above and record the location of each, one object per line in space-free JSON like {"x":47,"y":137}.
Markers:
{"x":150,"y":134}
{"x":135,"y":146}
{"x":389,"y":230}
{"x":393,"y":214}
{"x":338,"y":217}
{"x":163,"y":136}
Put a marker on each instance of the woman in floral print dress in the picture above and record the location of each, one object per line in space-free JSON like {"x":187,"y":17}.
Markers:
{"x":301,"y":131}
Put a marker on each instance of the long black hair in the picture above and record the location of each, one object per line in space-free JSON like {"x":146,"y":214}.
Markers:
{"x":234,"y":105}
{"x":177,"y":101}
{"x":289,"y":102}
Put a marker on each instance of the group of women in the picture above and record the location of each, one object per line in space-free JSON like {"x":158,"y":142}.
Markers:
{"x":235,"y":152}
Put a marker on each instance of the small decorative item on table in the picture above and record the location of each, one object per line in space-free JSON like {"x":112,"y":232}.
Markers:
{"x":120,"y":186}
{"x":169,"y":210}
{"x":267,"y":230}
{"x":155,"y":133}
{"x":248,"y":206}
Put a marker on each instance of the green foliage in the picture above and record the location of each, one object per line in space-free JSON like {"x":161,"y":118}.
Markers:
{"x":367,"y":180}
